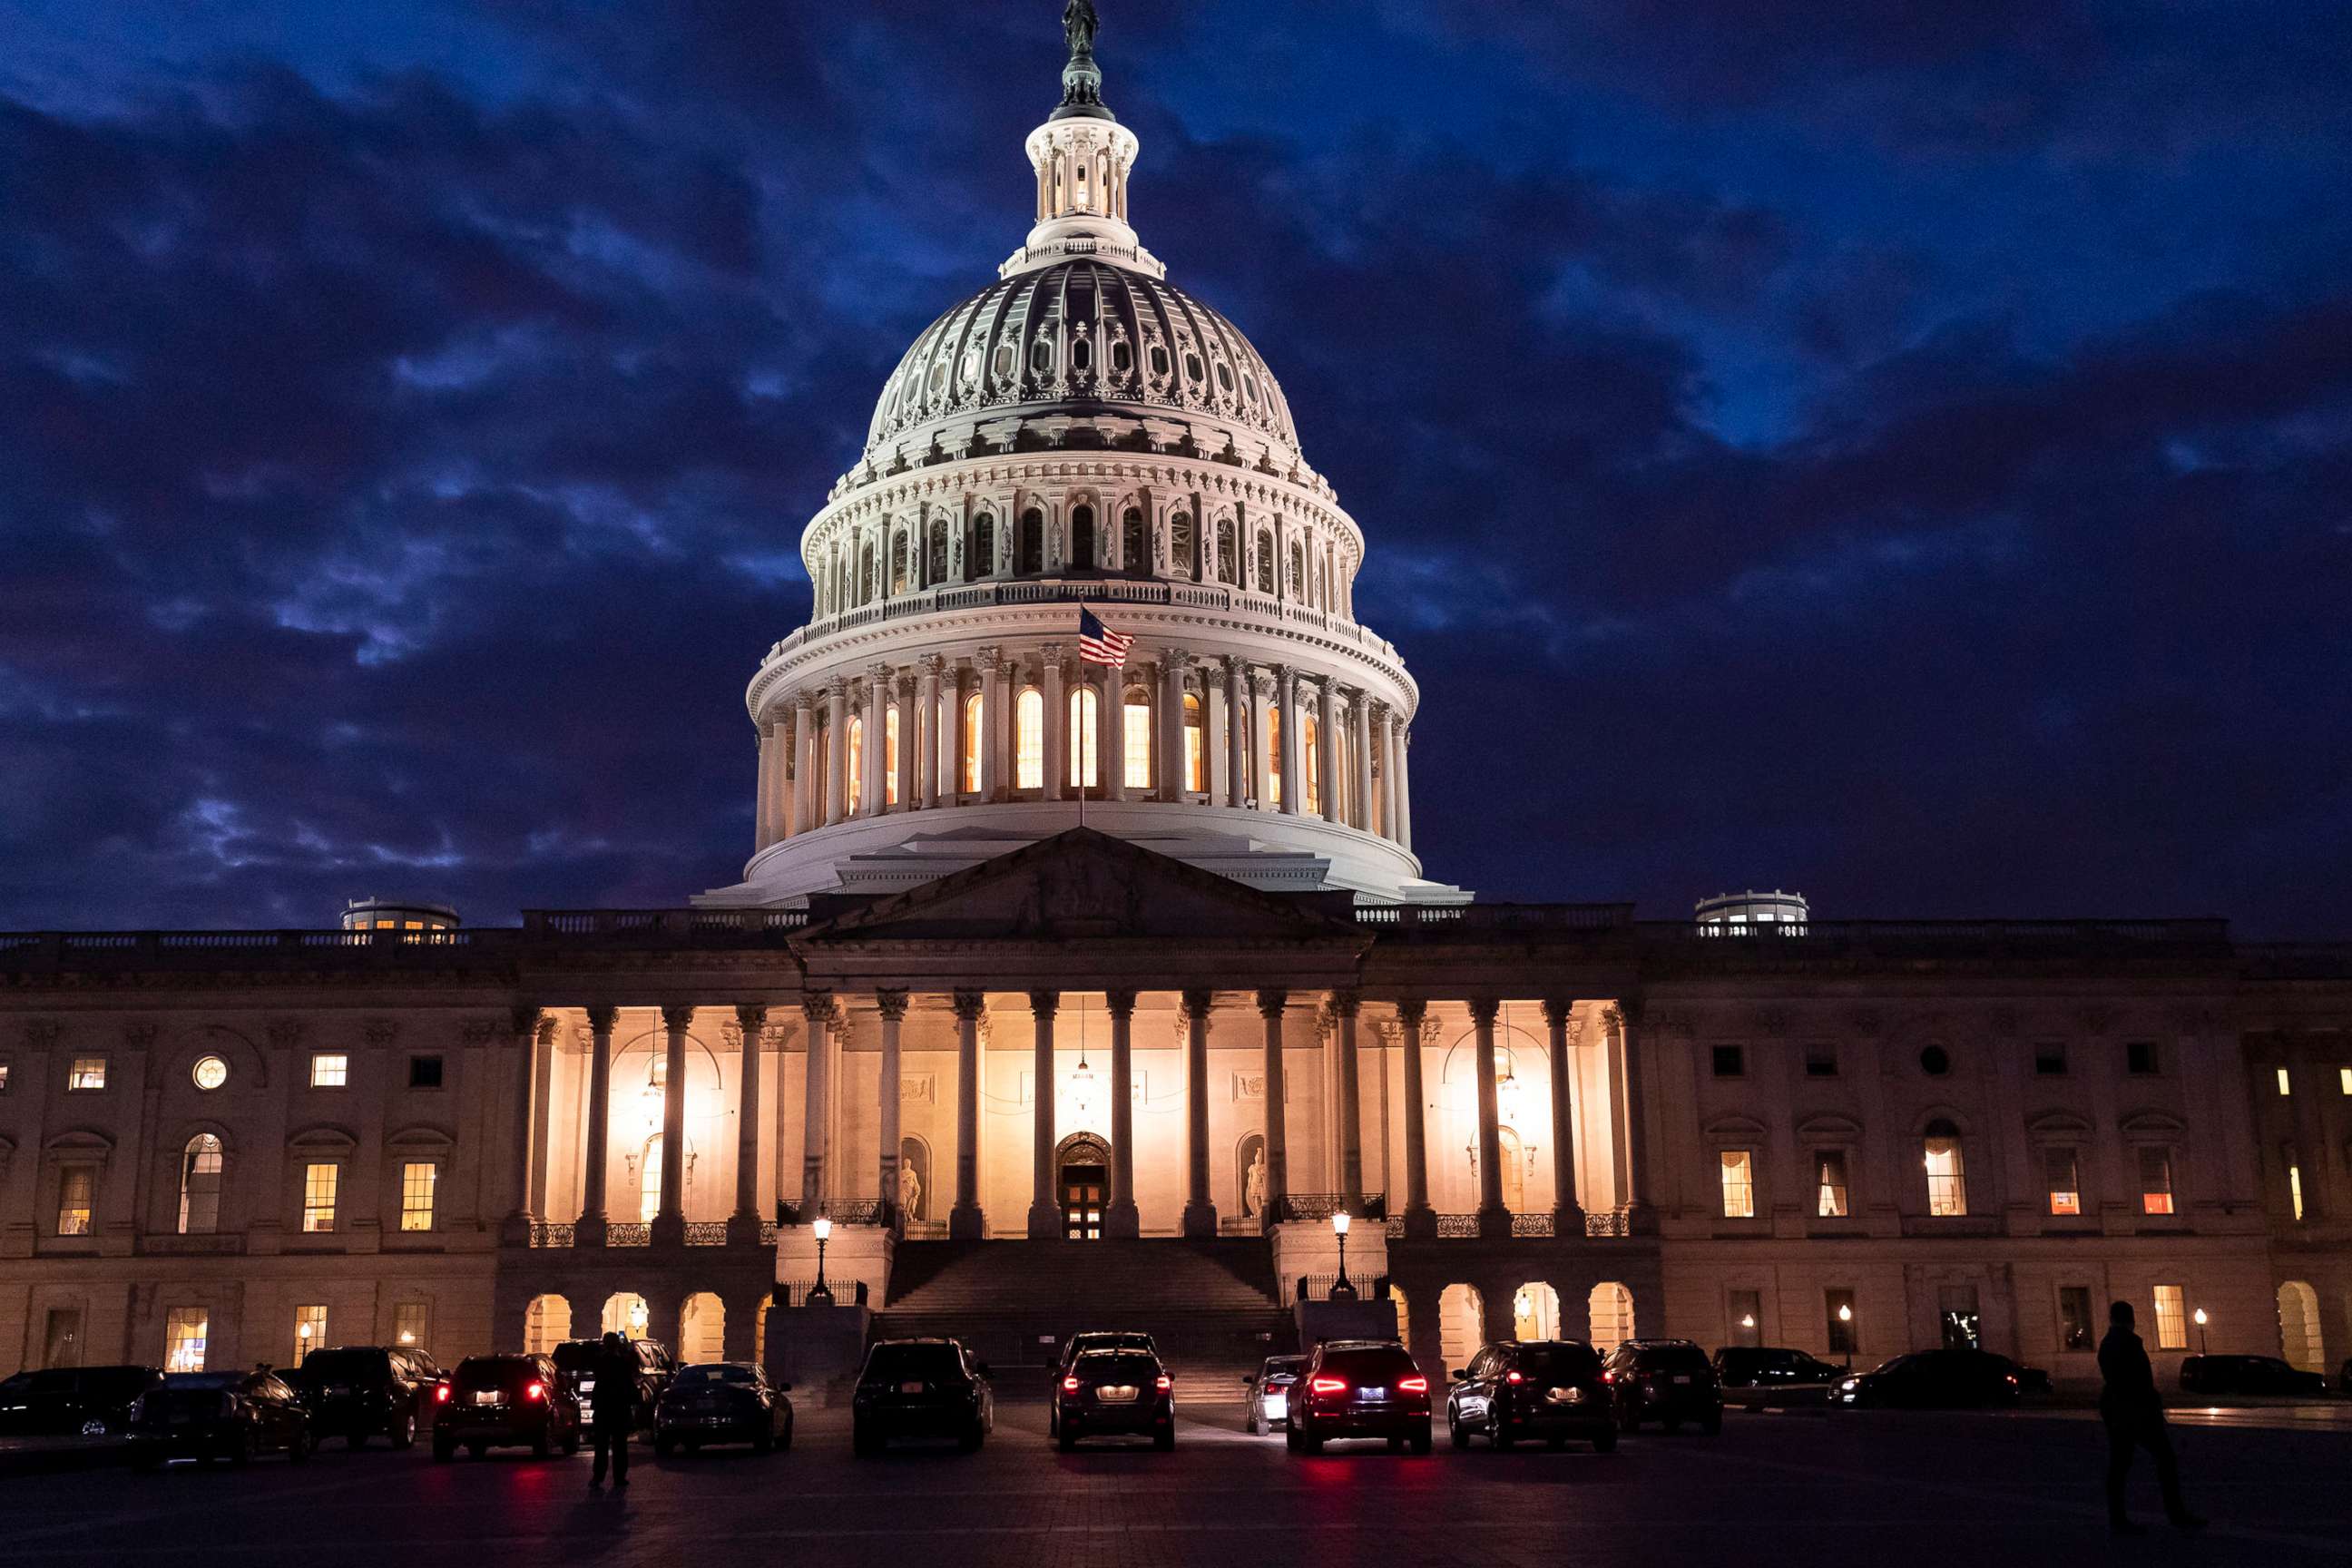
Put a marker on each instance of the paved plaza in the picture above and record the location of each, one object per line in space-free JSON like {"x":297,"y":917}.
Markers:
{"x":1801,"y":1488}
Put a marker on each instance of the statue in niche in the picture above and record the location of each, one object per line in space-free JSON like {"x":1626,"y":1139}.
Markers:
{"x":1254,"y":1177}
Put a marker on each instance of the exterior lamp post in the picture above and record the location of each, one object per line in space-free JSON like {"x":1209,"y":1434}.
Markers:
{"x":1845,"y":1318}
{"x":819,"y":1296}
{"x":1341,"y":1290}
{"x":2201,"y":1320}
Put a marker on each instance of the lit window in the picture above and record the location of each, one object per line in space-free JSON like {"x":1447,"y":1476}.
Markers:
{"x":1730,"y":1061}
{"x":2171,"y":1317}
{"x":2156,"y":1181}
{"x":2285,"y":1085}
{"x":857,"y":764}
{"x":416,"y":1179}
{"x":2295,"y":1189}
{"x":1947,"y":1183}
{"x":1139,"y":744}
{"x":410,"y":1323}
{"x":2062,"y":1173}
{"x":76,"y":1184}
{"x":319,"y":1196}
{"x":209,"y":1073}
{"x":1738,"y":1183}
{"x":1085,"y":738}
{"x":87,"y":1073}
{"x":1196,"y":774}
{"x":310,"y":1332}
{"x":891,"y":756}
{"x":200,"y":1184}
{"x":3,"y":1078}
{"x":329,"y":1071}
{"x":1029,"y":740}
{"x":2343,"y":1077}
{"x":1311,"y":759}
{"x":184,"y":1331}
{"x":970,"y":782}
{"x":1829,"y":1183}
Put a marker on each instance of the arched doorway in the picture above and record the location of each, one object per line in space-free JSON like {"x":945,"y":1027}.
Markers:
{"x":1612,"y":1315}
{"x":1535,"y":1312}
{"x":546,"y":1323}
{"x":1403,"y":1313}
{"x":702,"y":1329}
{"x":1082,"y":1178}
{"x":1461,"y":1324}
{"x":2299,"y":1338}
{"x":1514,"y":1170}
{"x":625,"y":1314}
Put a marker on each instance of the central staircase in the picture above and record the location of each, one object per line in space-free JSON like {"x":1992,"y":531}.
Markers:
{"x":1211,"y":1306}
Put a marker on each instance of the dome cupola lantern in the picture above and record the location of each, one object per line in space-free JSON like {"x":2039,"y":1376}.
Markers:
{"x":1082,"y":156}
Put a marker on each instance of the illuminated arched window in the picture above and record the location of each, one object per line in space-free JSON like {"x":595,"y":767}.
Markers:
{"x":973,"y":731}
{"x":1274,"y":757}
{"x":1029,"y":740}
{"x":1179,"y":544}
{"x":1196,"y":748}
{"x":1310,"y":762}
{"x":1136,"y":737}
{"x":200,"y":1183}
{"x":650,"y":1180}
{"x":856,"y":742}
{"x":1086,"y":733}
{"x":1082,"y":538}
{"x":898,"y":562}
{"x":1135,"y":548}
{"x":1264,"y":583}
{"x":890,"y":755}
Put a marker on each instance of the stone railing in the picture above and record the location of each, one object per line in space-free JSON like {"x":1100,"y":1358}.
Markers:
{"x":1532,"y":1225}
{"x":1498,"y":917}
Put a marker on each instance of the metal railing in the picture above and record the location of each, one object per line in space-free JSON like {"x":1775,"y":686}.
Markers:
{"x":1311,"y":1206}
{"x":630,"y":1232}
{"x":705,"y":1233}
{"x":841,"y":1211}
{"x":1603,"y":1223}
{"x":551,"y":1233}
{"x":847,"y":1292}
{"x":1533,"y":1225}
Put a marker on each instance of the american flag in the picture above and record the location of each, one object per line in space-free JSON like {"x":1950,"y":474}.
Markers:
{"x":1097,"y":643}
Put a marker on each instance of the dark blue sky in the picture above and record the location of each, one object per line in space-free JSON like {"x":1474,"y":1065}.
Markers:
{"x":1900,"y":449}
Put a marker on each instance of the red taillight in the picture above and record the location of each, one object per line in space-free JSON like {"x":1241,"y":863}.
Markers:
{"x":440,"y":1394}
{"x":535,"y":1391}
{"x":1069,"y":1385}
{"x":1513,"y":1377}
{"x":1421,"y":1385}
{"x":1166,"y":1383}
{"x":1608,"y":1377}
{"x":1328,"y":1385}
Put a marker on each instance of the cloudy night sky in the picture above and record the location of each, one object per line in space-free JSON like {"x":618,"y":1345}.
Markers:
{"x":1897,"y":449}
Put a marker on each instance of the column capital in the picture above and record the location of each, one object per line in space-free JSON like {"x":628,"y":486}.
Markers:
{"x":1556,"y":1011}
{"x":970,"y":1006}
{"x":1235,"y":665}
{"x":1411,"y":1012}
{"x":526,"y":1020}
{"x":751,"y":1017}
{"x":545,"y":1032}
{"x":879,"y":670}
{"x":804,"y":700}
{"x":1485,"y":1010}
{"x":602,"y":1016}
{"x":932,"y":665}
{"x":677,"y":1016}
{"x":1272,"y":1003}
{"x":1198,"y":1002}
{"x":891,"y":1005}
{"x":1624,"y":1012}
{"x":1119,"y":1003}
{"x":1045,"y":1004}
{"x":817,"y":1007}
{"x":1175,"y":660}
{"x":1051,"y":653}
{"x":1346,"y":1004}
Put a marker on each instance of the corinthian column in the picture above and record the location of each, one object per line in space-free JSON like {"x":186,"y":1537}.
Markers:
{"x":743,"y":1224}
{"x":992,"y":722}
{"x":1404,"y":785}
{"x":1114,"y":732}
{"x":1263,"y":765}
{"x":1327,"y":748}
{"x":1419,"y":1220}
{"x":1568,"y":1215}
{"x":1286,"y":700}
{"x":1360,"y":797}
{"x":892,"y":1006}
{"x":965,"y":1221}
{"x":1173,"y":663}
{"x":803,"y":791}
{"x":1237,"y":771}
{"x":591,"y":1229}
{"x":1200,"y":1214}
{"x":1493,"y":1219}
{"x":1121,"y":1221}
{"x":878,"y":754}
{"x":1271,"y":1004}
{"x":927,"y":738}
{"x":1347,"y":1005}
{"x":1045,"y":1212}
{"x":817,"y":1101}
{"x":1057,"y":722}
{"x":763,"y":813}
{"x":669,"y":1219}
{"x":836,"y":751}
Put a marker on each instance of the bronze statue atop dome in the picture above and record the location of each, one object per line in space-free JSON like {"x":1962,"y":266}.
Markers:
{"x":1079,"y":24}
{"x":1081,"y":79}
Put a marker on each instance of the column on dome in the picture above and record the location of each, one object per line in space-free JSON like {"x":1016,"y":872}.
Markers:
{"x":1388,"y":774}
{"x":1271,"y":1005}
{"x":878,"y":717}
{"x":1293,"y":801}
{"x":805,"y":779}
{"x":964,"y":1221}
{"x":1200,"y":1221}
{"x":902,"y":703}
{"x":951,"y":730}
{"x":892,"y":1006}
{"x":1262,"y":761}
{"x":1045,"y":1213}
{"x":1493,"y":1219}
{"x":1057,"y":722}
{"x":763,"y":814}
{"x":1404,"y":784}
{"x":1121,"y":1221}
{"x":590,"y":1228}
{"x":1567,"y":1214}
{"x":926,"y":736}
{"x":1412,"y":1015}
{"x":991,"y":719}
{"x":743,"y":1224}
{"x":1113,"y":746}
{"x":1215,"y":771}
{"x":837,"y":750}
{"x":1360,"y":803}
{"x":1327,"y":747}
{"x":1237,"y":769}
{"x":1174,"y":664}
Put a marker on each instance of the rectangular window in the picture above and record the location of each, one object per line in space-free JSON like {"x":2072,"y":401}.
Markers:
{"x":2049,"y":1058}
{"x":2285,"y":1084}
{"x":184,"y":1331}
{"x":77,"y":1185}
{"x":1196,"y":748}
{"x":1747,"y":1315}
{"x":425,"y":1072}
{"x":2074,"y":1317}
{"x":2140,"y":1057}
{"x":2062,"y":1175}
{"x":2156,"y":1181}
{"x":1947,"y":1182}
{"x":891,"y":756}
{"x":411,"y":1324}
{"x":2295,"y":1189}
{"x":2343,"y":1077}
{"x":1738,"y":1183}
{"x":1820,"y":1061}
{"x":1829,"y":1183}
{"x":309,"y":1332}
{"x":319,"y":1196}
{"x":1838,"y":1306}
{"x":1138,"y":745}
{"x":2171,"y":1317}
{"x":3,"y":1078}
{"x":1730,"y":1061}
{"x":416,"y":1179}
{"x":87,"y":1073}
{"x":330,"y":1070}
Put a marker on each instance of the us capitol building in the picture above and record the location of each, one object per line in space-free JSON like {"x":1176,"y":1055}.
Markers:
{"x":1015,"y":1061}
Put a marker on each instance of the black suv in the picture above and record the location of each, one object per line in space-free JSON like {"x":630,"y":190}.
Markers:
{"x":921,"y":1388}
{"x":576,"y":1361}
{"x":1663,"y":1380}
{"x":1359,"y":1388}
{"x":72,"y":1401}
{"x":2248,"y":1375}
{"x":1550,"y":1390}
{"x":358,"y":1392}
{"x":1767,"y":1366}
{"x":504,"y":1402}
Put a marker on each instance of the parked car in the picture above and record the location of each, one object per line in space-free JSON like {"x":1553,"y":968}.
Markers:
{"x":1668,"y":1381}
{"x":2248,"y":1375}
{"x":722,"y":1402}
{"x":921,"y":1388}
{"x":1115,"y":1392}
{"x":576,"y":1362}
{"x":72,"y":1401}
{"x":1359,"y":1388}
{"x":1270,"y":1391}
{"x":1092,"y":1339}
{"x":209,"y":1415}
{"x":1550,"y":1390}
{"x":504,"y":1402}
{"x":1927,"y":1380}
{"x":358,"y":1392}
{"x":1769,"y":1367}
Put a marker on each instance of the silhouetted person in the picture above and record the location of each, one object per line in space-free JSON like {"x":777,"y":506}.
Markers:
{"x":2134,"y":1415}
{"x":614,"y":1404}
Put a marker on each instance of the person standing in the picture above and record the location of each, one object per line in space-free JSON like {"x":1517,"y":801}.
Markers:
{"x":2133,"y":1415}
{"x":614,"y":1404}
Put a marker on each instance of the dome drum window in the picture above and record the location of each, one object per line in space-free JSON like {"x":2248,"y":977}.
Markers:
{"x":1192,"y":370}
{"x":1160,"y":361}
{"x":1082,"y":356}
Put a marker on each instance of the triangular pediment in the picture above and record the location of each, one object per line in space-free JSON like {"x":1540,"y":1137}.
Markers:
{"x":1081,"y":884}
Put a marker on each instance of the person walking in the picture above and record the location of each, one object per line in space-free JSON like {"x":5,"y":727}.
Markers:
{"x":2134,"y":1415}
{"x":613,"y":1402}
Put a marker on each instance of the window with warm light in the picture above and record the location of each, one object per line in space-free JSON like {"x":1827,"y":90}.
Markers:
{"x":411,"y":1323}
{"x":1029,"y":740}
{"x":2343,"y":1077}
{"x":856,"y":744}
{"x":1196,"y":752}
{"x":2295,"y":1188}
{"x":3,"y":1078}
{"x":319,"y":1183}
{"x":417,"y":1178}
{"x":2285,"y":1084}
{"x":185,"y":1330}
{"x":208,"y":1073}
{"x":1745,"y":1312}
{"x":330,"y":1070}
{"x":2156,"y":1181}
{"x":972,"y":741}
{"x":891,"y":756}
{"x":77,"y":1190}
{"x":1738,"y":1178}
{"x":200,"y":1185}
{"x":1274,"y":757}
{"x":88,"y":1074}
{"x":1947,"y":1183}
{"x":1086,"y":739}
{"x":2171,"y":1317}
{"x":309,"y":1332}
{"x":2061,"y":1177}
{"x":1830,"y":1200}
{"x":1138,"y":741}
{"x":2074,"y":1330}
{"x":1310,"y":761}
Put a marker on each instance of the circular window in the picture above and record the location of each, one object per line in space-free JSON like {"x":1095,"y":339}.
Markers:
{"x":210,"y":1073}
{"x":1935,"y":1061}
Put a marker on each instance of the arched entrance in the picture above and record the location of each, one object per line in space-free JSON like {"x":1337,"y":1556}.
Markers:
{"x":1535,"y":1312}
{"x":702,"y":1329}
{"x":625,"y":1314}
{"x":1082,"y":1178}
{"x":546,"y":1323}
{"x":1611,"y":1306}
{"x":1461,"y":1324}
{"x":2299,"y":1341}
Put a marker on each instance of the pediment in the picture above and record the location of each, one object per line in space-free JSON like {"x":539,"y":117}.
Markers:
{"x":1080,"y":885}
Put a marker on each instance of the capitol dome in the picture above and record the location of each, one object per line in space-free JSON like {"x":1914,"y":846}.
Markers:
{"x":1081,"y":572}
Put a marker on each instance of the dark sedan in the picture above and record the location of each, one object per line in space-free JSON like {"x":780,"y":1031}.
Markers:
{"x":921,"y":1388}
{"x":1548,"y":1391}
{"x":1666,"y":1381}
{"x":722,"y":1402}
{"x":1359,"y":1388}
{"x":1748,"y":1368}
{"x":2248,"y":1375}
{"x":1271,"y":1390}
{"x":72,"y":1401}
{"x":1933,"y":1380}
{"x":1115,"y":1393}
{"x":209,"y":1415}
{"x":504,"y":1402}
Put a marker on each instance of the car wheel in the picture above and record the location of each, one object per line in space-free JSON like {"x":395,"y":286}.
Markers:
{"x":1293,"y":1439}
{"x":1498,"y":1436}
{"x":1064,"y":1439}
{"x":571,"y":1442}
{"x":1310,"y":1443}
{"x":1454,"y":1431}
{"x":1605,"y":1440}
{"x":664,"y":1446}
{"x":405,"y":1434}
{"x":1249,"y":1422}
{"x":442,"y":1452}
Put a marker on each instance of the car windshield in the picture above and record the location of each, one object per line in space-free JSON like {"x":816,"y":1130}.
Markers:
{"x":1369,"y":1364}
{"x":1558,"y":1363}
{"x":204,"y":1382}
{"x":1672,"y":1358}
{"x":343,"y":1366}
{"x":713,"y":1374}
{"x":1113,"y":1366}
{"x":1285,"y":1366}
{"x":913,"y":1363}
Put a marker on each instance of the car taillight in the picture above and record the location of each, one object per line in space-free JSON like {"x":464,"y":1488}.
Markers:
{"x":1608,"y":1377}
{"x":1421,"y":1385}
{"x":1328,"y":1385}
{"x":535,"y":1391}
{"x":440,"y":1394}
{"x":1166,"y":1383}
{"x":1069,"y":1385}
{"x":1513,"y":1377}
